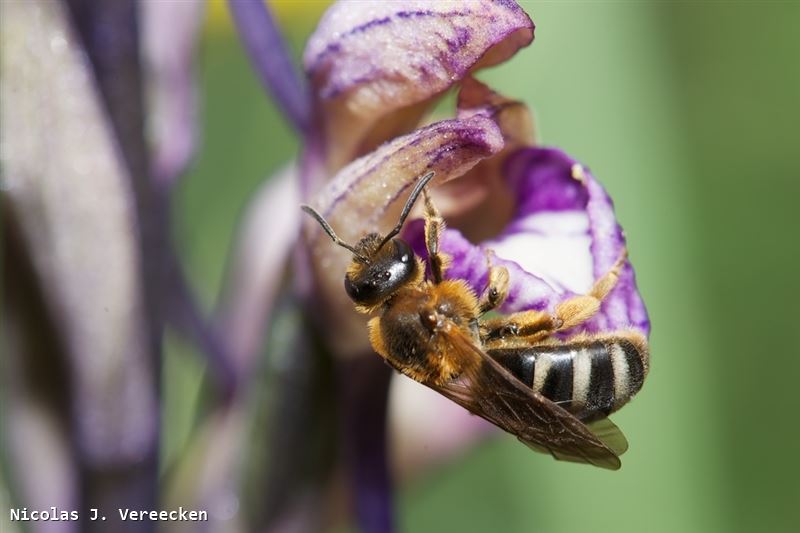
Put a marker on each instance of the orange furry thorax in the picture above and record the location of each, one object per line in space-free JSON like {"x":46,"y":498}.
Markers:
{"x":413,"y":331}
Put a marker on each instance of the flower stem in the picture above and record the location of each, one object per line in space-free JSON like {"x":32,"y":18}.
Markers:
{"x":364,"y":383}
{"x":270,"y":58}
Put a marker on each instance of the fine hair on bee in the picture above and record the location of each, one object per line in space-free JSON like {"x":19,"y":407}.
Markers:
{"x":525,"y":372}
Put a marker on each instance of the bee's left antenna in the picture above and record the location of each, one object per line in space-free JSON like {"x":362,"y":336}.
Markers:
{"x":329,"y":230}
{"x":423,"y":181}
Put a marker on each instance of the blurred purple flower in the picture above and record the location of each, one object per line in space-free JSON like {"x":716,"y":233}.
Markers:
{"x":80,"y":338}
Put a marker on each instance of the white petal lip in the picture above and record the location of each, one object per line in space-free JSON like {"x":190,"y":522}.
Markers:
{"x":552,"y":246}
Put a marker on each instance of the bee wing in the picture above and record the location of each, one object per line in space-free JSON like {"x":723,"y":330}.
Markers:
{"x":492,"y":392}
{"x":608,"y":432}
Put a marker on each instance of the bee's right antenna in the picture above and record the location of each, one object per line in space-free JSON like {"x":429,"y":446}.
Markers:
{"x":423,"y":181}
{"x":329,"y":230}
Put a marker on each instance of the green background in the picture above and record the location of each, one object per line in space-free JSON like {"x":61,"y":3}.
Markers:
{"x":688,"y":113}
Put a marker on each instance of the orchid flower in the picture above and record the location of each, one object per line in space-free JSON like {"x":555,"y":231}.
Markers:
{"x":97,"y":280}
{"x":374,"y":71}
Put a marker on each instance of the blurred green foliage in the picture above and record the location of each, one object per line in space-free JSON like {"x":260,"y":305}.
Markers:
{"x":688,"y":113}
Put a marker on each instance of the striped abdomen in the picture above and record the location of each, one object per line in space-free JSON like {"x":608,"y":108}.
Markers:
{"x":590,"y":379}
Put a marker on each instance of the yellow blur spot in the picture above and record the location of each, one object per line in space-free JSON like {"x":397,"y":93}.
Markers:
{"x":218,"y":19}
{"x":578,"y":173}
{"x":286,"y":12}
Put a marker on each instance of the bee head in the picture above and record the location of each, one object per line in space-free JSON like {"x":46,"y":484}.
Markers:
{"x":381,"y":265}
{"x":379,"y":270}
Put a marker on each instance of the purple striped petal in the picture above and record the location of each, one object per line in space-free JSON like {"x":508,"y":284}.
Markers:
{"x":513,"y":117}
{"x":483,"y":188}
{"x":563,"y":236}
{"x":375,"y":66}
{"x":368,"y":194}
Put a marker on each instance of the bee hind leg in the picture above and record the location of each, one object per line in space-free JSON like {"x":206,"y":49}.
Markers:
{"x":496,"y":289}
{"x":537,"y":325}
{"x":579,"y":309}
{"x":530,"y":325}
{"x":434,"y":226}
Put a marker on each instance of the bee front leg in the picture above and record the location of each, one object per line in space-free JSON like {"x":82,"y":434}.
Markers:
{"x":496,"y":286}
{"x":434,"y":226}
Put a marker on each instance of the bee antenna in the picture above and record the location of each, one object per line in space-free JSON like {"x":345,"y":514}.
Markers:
{"x":407,"y":208}
{"x":329,"y":230}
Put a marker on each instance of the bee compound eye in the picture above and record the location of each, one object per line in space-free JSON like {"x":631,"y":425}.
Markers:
{"x":368,"y":290}
{"x":353,"y":290}
{"x":383,"y":277}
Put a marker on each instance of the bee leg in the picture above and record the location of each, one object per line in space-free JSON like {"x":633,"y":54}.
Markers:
{"x":579,"y":309}
{"x":496,"y":286}
{"x":434,"y":225}
{"x":525,"y":324}
{"x":536,"y":325}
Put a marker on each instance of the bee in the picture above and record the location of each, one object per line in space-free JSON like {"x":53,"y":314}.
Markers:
{"x":516,"y":371}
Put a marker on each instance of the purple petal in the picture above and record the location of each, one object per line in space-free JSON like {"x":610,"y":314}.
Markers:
{"x":170,"y":32}
{"x":527,"y":290}
{"x":374,"y":66}
{"x":483,"y":189}
{"x":623,"y":306}
{"x":513,"y":117}
{"x":368,"y":194}
{"x":271,"y":60}
{"x":563,"y":236}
